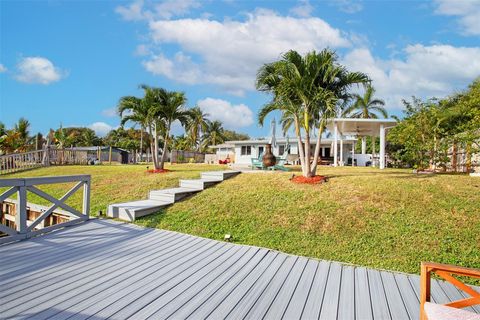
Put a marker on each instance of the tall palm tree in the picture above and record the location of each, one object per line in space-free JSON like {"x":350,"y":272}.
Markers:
{"x":135,"y":109}
{"x":22,"y":127}
{"x":214,"y":134}
{"x":197,"y":124}
{"x":167,"y":107}
{"x":366,"y":107}
{"x":307,"y":90}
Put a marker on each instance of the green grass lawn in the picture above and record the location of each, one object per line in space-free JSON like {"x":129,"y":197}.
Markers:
{"x":388,"y":219}
{"x":115,"y":183}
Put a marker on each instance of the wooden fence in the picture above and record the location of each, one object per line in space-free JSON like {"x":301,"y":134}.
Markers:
{"x":180,"y":156}
{"x":23,"y":227}
{"x":16,"y":162}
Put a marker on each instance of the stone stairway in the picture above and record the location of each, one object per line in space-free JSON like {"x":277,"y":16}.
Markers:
{"x":158,"y":199}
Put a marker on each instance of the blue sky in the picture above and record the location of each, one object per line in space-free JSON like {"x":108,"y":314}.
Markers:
{"x":68,"y":62}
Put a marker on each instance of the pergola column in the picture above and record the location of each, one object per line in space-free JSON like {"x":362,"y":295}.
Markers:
{"x":353,"y":154}
{"x":341,"y":150}
{"x":382,"y":146}
{"x":364,"y":145}
{"x":335,"y":144}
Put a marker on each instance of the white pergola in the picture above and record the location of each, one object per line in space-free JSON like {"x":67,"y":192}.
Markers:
{"x":341,"y":127}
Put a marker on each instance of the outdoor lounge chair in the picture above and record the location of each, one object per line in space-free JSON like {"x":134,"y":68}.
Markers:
{"x":280,"y":165}
{"x":257,"y":163}
{"x":451,"y":310}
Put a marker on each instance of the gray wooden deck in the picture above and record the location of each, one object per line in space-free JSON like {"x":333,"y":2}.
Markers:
{"x":104,"y":269}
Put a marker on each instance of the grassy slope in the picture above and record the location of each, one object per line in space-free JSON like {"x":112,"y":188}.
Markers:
{"x":391,"y":219}
{"x":116,"y":183}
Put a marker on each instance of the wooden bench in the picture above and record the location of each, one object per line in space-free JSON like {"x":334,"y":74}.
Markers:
{"x":451,"y":310}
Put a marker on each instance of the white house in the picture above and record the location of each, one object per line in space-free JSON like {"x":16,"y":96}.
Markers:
{"x":345,"y":133}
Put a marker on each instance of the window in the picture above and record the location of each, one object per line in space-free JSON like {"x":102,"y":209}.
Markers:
{"x":281,"y":149}
{"x":246,"y":150}
{"x":260,"y":150}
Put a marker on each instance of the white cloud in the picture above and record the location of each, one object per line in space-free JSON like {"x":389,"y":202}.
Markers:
{"x":132,"y":12}
{"x":425,"y":71}
{"x":229,"y":53}
{"x":110,"y":112}
{"x":348,"y":6}
{"x":233,"y":116}
{"x":37,"y":70}
{"x":2,"y":68}
{"x":170,"y":8}
{"x":467,"y":11}
{"x":303,"y":9}
{"x":166,"y":9}
{"x":142,"y":50}
{"x":100,"y":128}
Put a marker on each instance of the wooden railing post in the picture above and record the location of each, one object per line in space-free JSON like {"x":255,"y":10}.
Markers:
{"x":86,"y":198}
{"x":21,"y":207}
{"x":425,"y":276}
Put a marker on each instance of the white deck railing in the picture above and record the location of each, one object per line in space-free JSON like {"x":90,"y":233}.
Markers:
{"x":20,"y":186}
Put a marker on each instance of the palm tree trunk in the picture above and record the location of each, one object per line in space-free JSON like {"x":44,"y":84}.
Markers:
{"x":165,"y":149}
{"x":141,"y":143}
{"x":318,"y":147}
{"x":155,"y":153}
{"x":301,"y":152}
{"x":307,"y":155}
{"x":151,"y":143}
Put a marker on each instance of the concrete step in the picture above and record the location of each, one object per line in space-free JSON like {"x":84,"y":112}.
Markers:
{"x":129,"y":211}
{"x":173,"y":194}
{"x":219,"y":174}
{"x":199,"y":183}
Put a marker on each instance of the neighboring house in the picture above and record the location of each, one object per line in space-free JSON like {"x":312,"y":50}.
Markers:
{"x":103,"y":154}
{"x":241,"y":152}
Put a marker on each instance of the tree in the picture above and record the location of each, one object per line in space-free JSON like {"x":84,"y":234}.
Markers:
{"x":89,"y":138}
{"x":308,"y":91}
{"x":136,"y":110}
{"x":197,"y":124}
{"x":166,"y":108}
{"x":366,"y":107}
{"x":214,"y":134}
{"x":231,"y":135}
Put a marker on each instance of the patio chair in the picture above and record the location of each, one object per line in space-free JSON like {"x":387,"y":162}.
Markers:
{"x":280,"y":165}
{"x":257,"y":163}
{"x":451,"y":310}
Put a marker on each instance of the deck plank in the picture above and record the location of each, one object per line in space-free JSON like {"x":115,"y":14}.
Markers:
{"x":380,"y":306}
{"x":363,"y":304}
{"x":106,"y":269}
{"x":330,"y":302}
{"x":347,"y":294}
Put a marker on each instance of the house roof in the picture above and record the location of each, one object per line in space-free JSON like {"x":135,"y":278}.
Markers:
{"x":293,"y":140}
{"x":360,"y":127}
{"x":95,"y":148}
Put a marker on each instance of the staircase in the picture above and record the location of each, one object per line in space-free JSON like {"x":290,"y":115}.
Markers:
{"x":158,"y":199}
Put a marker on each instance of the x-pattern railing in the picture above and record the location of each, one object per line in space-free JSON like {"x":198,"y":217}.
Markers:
{"x":20,"y":186}
{"x":447,"y":272}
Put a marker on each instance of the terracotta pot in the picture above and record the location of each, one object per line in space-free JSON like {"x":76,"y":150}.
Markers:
{"x":268,"y":158}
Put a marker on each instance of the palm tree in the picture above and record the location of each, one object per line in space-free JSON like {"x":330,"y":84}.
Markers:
{"x":214,"y":134}
{"x":307,"y":90}
{"x":22,"y":128}
{"x":135,"y":109}
{"x":169,"y":107}
{"x":366,"y":107}
{"x":197,"y":124}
